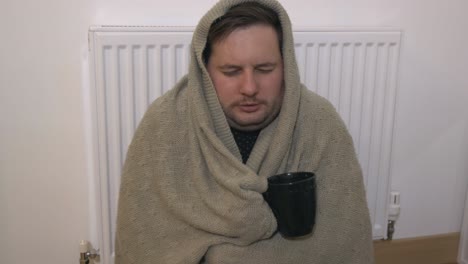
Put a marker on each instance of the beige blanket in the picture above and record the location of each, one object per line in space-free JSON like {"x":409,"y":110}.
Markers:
{"x":185,"y":193}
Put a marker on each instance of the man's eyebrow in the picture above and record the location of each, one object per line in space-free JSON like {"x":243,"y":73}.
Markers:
{"x":266,"y":64}
{"x":233,"y":66}
{"x":229,"y":67}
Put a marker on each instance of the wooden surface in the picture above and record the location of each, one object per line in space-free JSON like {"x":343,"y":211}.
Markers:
{"x":440,"y":249}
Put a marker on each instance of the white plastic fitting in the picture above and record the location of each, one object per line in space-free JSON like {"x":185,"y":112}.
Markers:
{"x":394,"y":209}
{"x":83,"y":246}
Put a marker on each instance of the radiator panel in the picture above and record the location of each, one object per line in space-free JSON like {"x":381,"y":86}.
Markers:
{"x":355,"y":70}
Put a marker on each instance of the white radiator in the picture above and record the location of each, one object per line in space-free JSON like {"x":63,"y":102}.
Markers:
{"x":131,"y":66}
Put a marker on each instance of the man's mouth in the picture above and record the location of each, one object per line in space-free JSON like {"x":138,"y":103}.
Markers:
{"x":249,"y":107}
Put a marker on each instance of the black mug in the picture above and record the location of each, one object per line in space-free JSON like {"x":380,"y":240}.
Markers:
{"x":292,"y":198}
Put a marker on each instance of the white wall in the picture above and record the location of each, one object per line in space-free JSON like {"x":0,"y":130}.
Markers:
{"x":43,"y":167}
{"x":42,"y":160}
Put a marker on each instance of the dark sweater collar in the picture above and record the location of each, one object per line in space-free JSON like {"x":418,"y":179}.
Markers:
{"x":245,"y":141}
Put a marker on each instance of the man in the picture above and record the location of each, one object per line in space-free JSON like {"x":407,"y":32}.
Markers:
{"x":195,"y":172}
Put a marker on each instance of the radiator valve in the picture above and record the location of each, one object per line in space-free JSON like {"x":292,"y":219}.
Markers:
{"x":393,"y":213}
{"x":88,"y":256}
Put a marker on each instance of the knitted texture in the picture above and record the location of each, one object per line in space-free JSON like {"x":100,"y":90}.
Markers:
{"x":186,"y":195}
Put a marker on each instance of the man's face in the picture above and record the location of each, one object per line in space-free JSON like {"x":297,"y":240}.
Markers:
{"x":247,"y":71}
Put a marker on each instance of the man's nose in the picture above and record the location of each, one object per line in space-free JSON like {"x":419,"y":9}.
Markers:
{"x":249,"y":85}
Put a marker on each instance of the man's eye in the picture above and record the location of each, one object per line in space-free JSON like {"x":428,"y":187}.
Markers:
{"x":231,"y":73}
{"x":265,"y":70}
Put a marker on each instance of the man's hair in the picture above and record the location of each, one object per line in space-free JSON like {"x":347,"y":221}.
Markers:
{"x":242,"y":16}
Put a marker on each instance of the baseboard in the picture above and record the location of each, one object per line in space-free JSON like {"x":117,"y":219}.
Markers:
{"x":439,"y":249}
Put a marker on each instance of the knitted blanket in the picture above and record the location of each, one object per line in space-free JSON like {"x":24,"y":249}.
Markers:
{"x":186,"y":196}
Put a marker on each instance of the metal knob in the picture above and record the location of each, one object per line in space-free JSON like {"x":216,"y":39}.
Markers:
{"x":87,"y":254}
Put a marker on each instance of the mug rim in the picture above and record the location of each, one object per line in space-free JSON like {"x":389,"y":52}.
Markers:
{"x":285,"y":178}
